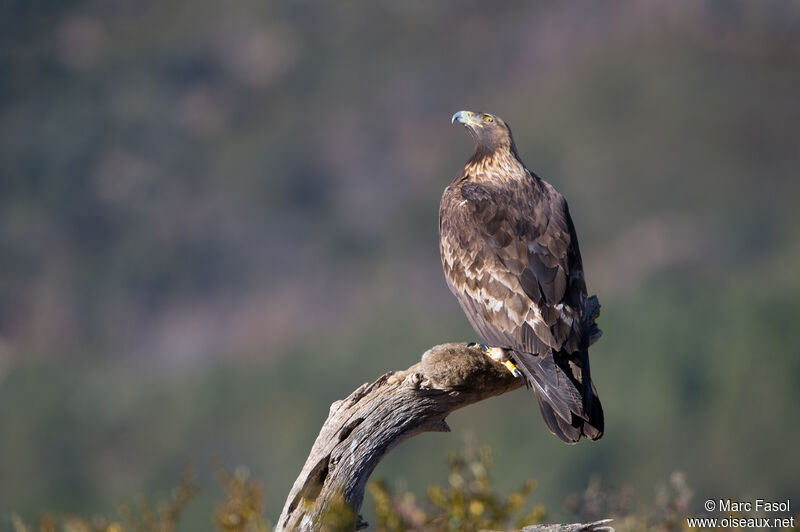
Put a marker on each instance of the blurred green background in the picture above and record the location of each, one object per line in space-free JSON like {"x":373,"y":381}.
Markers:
{"x":217,"y":217}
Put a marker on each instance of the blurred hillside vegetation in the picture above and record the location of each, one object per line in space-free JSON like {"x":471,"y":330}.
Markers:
{"x":468,"y":502}
{"x":217,"y":218}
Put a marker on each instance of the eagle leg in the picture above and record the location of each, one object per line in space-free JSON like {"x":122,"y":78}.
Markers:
{"x":514,"y":370}
{"x":500,"y":354}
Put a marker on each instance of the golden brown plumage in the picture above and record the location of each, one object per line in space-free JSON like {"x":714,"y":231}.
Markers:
{"x":511,"y":257}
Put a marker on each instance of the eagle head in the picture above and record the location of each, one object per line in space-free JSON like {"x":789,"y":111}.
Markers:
{"x":489,"y":131}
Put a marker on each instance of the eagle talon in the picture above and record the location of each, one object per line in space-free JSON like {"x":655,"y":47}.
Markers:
{"x":512,"y":368}
{"x":516,"y":372}
{"x":500,"y":354}
{"x":482,"y":347}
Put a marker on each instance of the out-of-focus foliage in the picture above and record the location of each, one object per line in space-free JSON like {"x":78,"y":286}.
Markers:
{"x":467,"y":503}
{"x":667,"y":511}
{"x":141,"y":515}
{"x":243,"y":507}
{"x":162,"y":515}
{"x":217,"y":217}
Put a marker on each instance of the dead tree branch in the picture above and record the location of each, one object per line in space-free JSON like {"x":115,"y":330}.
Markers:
{"x":376,"y":417}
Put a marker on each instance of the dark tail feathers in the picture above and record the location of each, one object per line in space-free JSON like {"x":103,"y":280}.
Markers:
{"x":567,"y":398}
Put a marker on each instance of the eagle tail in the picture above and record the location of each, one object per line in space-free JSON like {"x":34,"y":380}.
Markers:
{"x":567,"y":398}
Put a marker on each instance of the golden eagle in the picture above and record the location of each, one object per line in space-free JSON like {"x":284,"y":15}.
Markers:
{"x":511,"y":257}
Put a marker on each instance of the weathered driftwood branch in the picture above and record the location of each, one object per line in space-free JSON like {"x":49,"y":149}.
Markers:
{"x":376,"y":417}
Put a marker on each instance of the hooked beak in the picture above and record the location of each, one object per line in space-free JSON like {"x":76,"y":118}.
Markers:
{"x":467,"y":118}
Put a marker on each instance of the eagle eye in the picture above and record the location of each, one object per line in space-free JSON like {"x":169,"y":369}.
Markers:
{"x":488,"y":118}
